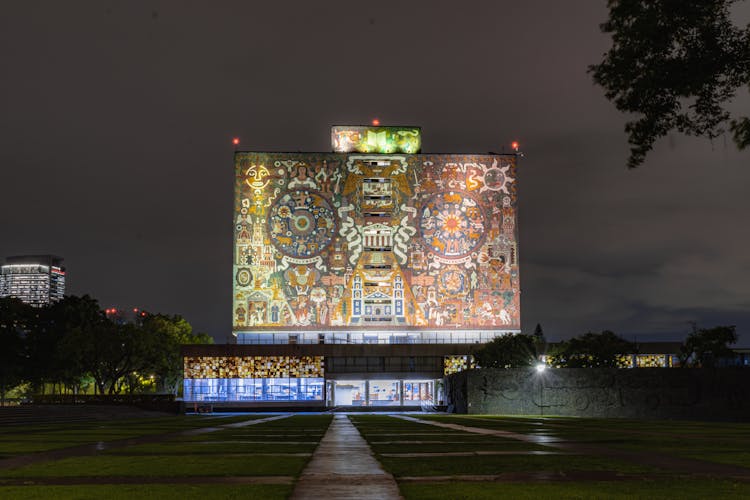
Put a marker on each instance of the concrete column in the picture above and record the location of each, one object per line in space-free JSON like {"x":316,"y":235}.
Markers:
{"x":367,"y":393}
{"x":401,"y":392}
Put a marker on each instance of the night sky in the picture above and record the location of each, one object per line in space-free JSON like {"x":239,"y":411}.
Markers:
{"x":117,"y":118}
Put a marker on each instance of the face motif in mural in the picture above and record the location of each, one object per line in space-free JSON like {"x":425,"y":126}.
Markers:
{"x":452,"y":224}
{"x":453,"y":282}
{"x":301,"y":224}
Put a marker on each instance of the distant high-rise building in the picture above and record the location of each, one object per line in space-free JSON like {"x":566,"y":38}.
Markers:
{"x":35,"y":279}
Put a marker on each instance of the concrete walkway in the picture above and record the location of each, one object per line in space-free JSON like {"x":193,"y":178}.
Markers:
{"x":343,"y":466}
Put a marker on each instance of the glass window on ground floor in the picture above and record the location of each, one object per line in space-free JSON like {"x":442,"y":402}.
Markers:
{"x":380,"y":392}
{"x":384,"y":393}
{"x":349,"y":393}
{"x":417,"y":392}
{"x":249,"y":389}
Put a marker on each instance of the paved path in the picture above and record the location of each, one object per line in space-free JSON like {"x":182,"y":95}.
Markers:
{"x":343,"y":466}
{"x":667,"y":462}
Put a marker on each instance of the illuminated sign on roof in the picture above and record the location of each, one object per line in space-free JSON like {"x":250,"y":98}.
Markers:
{"x":367,"y":139}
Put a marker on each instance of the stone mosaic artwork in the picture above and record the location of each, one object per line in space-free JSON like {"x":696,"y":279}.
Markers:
{"x":386,"y":241}
{"x":226,"y":367}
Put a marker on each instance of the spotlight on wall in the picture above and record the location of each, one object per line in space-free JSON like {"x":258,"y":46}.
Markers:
{"x":540,"y":367}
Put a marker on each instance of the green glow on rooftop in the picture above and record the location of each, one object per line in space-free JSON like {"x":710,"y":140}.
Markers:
{"x":381,"y":140}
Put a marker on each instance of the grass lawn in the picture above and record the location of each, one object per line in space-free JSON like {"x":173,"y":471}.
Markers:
{"x":644,"y":489}
{"x":160,"y":491}
{"x":213,"y":447}
{"x":258,"y":450}
{"x":19,"y":439}
{"x":196,"y":455}
{"x":493,"y":464}
{"x":393,"y":435}
{"x":489,"y":444}
{"x":717,"y":442}
{"x":725,"y":443}
{"x":159,"y":465}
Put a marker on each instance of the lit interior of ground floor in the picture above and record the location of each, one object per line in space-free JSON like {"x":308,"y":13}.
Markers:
{"x":315,"y":390}
{"x":321,"y":375}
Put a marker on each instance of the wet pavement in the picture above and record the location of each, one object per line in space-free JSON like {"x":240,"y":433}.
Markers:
{"x":343,"y":466}
{"x":529,"y":438}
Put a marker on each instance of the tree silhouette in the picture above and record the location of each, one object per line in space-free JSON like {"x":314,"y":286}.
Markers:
{"x":14,"y":322}
{"x":675,"y":64}
{"x":509,"y":351}
{"x":705,"y":346}
{"x":73,"y":340}
{"x":592,"y":350}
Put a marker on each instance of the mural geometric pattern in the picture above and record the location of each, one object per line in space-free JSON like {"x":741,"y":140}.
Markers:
{"x":336,"y":240}
{"x":302,"y":224}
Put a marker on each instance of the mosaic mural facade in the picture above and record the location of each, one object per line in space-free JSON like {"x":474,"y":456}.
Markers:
{"x":455,"y":364}
{"x":329,"y":240}
{"x":217,"y":367}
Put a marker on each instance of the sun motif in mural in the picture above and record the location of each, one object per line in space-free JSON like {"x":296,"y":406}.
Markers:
{"x":497,"y":178}
{"x":301,"y":224}
{"x":452,"y":224}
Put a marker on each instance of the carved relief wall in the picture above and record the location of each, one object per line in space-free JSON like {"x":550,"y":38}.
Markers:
{"x":653,"y":393}
{"x":349,"y":240}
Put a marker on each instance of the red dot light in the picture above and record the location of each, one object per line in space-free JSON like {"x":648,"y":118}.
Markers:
{"x":236,"y":141}
{"x":375,"y":122}
{"x":514,"y":145}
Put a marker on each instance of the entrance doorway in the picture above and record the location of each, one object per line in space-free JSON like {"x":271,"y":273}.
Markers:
{"x":381,"y":392}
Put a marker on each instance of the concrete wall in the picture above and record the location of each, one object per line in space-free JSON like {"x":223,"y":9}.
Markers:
{"x":701,"y":394}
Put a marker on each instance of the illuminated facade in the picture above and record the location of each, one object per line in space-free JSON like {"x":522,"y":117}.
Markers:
{"x":375,"y":243}
{"x":37,"y":280}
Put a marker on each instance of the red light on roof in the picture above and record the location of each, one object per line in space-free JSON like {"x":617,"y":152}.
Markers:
{"x":135,"y":309}
{"x":236,"y":141}
{"x":375,"y":122}
{"x":514,"y":145}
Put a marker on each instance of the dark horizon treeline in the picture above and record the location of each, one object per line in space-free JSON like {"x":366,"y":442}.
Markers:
{"x":704,"y":347}
{"x":73,"y":344}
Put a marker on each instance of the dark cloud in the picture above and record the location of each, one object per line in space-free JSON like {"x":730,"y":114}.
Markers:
{"x":117,"y":117}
